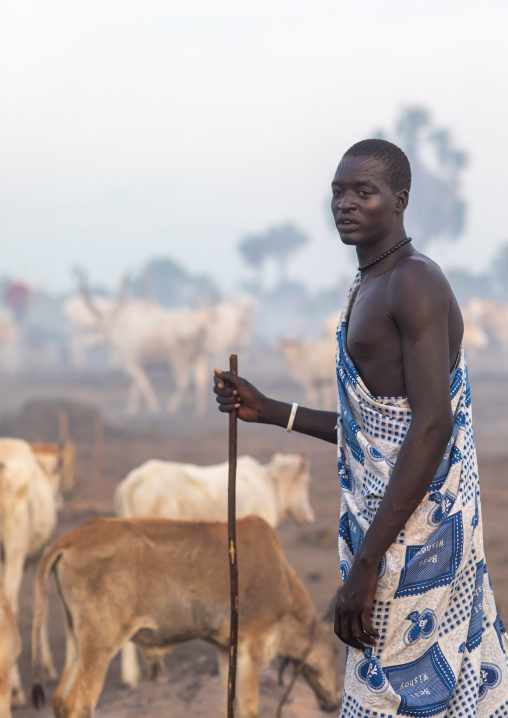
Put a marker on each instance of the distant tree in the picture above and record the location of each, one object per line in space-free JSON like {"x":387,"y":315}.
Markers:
{"x":436,"y":208}
{"x":278,"y":243}
{"x":255,"y":251}
{"x":172,"y":285}
{"x":284,"y":241}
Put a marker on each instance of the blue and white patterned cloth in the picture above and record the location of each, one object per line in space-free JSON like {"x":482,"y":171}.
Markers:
{"x":442,"y":649}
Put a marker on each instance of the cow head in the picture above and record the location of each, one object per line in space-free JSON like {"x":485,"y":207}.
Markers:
{"x":320,"y":668}
{"x":54,"y":462}
{"x":291,"y":478}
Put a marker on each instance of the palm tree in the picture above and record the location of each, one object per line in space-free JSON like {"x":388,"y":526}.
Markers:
{"x":436,"y":208}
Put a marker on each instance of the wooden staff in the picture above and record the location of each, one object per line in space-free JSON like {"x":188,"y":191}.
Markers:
{"x":233,"y":558}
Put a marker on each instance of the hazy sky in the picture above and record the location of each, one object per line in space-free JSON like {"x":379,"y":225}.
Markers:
{"x":132,"y":129}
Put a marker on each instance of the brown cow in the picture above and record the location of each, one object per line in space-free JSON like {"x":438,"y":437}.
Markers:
{"x":159,"y":582}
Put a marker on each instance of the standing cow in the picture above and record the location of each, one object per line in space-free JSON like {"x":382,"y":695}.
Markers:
{"x":168,"y":489}
{"x":171,"y":490}
{"x":159,"y":583}
{"x":29,"y":497}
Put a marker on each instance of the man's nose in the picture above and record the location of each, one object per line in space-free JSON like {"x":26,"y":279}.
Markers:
{"x":347,"y":201}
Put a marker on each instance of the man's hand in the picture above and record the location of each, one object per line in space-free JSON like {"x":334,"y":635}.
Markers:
{"x":233,"y":392}
{"x":354,"y":605}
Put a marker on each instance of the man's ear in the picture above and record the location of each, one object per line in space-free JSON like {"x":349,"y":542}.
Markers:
{"x":401,"y":200}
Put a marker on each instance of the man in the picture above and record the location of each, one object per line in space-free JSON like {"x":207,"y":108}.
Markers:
{"x":416,"y":609}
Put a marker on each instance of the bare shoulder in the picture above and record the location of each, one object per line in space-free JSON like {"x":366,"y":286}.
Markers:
{"x":417,"y":283}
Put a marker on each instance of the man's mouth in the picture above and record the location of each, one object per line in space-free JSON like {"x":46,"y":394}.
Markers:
{"x":347,"y":223}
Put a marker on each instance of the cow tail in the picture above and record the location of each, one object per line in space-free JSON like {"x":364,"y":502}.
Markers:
{"x":48,"y":562}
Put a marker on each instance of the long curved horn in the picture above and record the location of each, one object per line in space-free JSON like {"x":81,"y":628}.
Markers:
{"x":84,"y":289}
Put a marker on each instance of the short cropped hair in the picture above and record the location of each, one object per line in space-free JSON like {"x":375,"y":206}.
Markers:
{"x":397,"y":164}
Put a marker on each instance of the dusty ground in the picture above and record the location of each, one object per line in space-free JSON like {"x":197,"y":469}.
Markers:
{"x":29,"y":406}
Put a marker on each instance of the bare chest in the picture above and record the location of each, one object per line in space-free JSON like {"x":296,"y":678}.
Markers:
{"x":373,"y":341}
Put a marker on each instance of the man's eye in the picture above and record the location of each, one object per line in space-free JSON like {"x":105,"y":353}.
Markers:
{"x":336,"y":192}
{"x":364,"y":193}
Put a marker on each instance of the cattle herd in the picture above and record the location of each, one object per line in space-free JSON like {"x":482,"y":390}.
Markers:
{"x":132,"y":334}
{"x":155,"y":576}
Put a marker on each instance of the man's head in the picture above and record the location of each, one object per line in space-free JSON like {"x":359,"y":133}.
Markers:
{"x":370,"y":193}
{"x":398,"y":169}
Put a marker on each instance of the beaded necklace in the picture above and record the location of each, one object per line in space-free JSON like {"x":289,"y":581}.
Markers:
{"x":385,"y":254}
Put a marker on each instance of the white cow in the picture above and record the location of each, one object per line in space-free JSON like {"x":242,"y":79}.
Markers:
{"x":140,"y":332}
{"x":312,"y":365}
{"x":168,"y":489}
{"x":172,"y":490}
{"x":230,"y":328}
{"x":29,"y":497}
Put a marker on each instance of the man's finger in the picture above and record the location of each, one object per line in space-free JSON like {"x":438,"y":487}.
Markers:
{"x":227,"y":408}
{"x":368,"y":627}
{"x":224,"y":391}
{"x":348,"y":637}
{"x":359,"y":634}
{"x":226,"y":377}
{"x":227,"y":399}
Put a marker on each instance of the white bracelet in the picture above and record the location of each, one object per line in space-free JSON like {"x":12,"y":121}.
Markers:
{"x":292,"y":417}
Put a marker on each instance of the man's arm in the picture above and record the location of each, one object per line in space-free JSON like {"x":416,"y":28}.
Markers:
{"x":419,"y":303}
{"x":234,"y":392}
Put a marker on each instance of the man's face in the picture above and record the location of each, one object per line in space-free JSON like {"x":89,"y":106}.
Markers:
{"x":364,"y":206}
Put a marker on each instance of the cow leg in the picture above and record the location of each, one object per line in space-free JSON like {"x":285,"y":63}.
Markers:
{"x":223,"y":661}
{"x":137,"y":374}
{"x":180,"y":367}
{"x":130,"y":675}
{"x":90,"y":675}
{"x":68,"y":674}
{"x":250,"y":662}
{"x":16,"y":532}
{"x":18,"y":698}
{"x":5,"y":691}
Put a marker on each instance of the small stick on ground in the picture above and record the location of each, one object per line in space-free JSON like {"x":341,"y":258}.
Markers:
{"x":233,"y":558}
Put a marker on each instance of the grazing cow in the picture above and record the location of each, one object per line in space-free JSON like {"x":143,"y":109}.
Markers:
{"x":10,"y":647}
{"x":29,"y":497}
{"x":171,"y":490}
{"x":158,"y":583}
{"x":312,"y":365}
